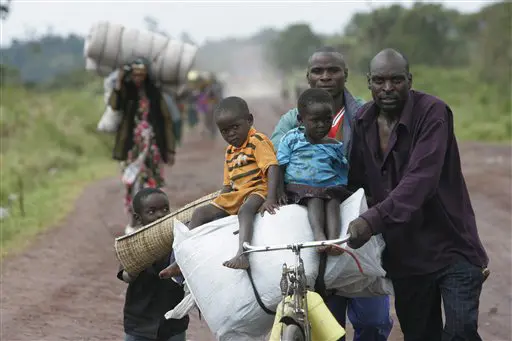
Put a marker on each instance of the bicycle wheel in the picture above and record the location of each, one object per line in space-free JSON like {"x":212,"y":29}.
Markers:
{"x":292,"y":332}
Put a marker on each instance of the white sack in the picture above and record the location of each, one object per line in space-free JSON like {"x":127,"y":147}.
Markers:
{"x":182,"y":309}
{"x":342,"y":272}
{"x":111,"y":45}
{"x":111,"y":118}
{"x":102,"y":70}
{"x":110,"y":121}
{"x":225,"y":296}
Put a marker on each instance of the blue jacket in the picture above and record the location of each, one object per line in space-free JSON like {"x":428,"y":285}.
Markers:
{"x":289,"y":121}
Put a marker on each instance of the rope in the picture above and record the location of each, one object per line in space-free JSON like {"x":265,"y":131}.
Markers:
{"x":351,"y":254}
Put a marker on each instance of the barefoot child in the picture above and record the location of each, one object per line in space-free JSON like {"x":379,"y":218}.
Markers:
{"x":314,"y":167}
{"x":148,"y":297}
{"x":250,"y":168}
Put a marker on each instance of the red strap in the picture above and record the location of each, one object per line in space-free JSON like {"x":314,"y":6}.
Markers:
{"x":337,"y":122}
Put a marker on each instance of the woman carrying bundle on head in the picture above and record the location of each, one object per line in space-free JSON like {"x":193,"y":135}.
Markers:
{"x":145,"y":138}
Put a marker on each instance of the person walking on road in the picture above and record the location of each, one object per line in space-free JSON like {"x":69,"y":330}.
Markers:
{"x":404,"y":152}
{"x":145,"y":139}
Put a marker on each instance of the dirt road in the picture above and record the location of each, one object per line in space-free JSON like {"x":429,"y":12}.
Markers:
{"x":64,"y":286}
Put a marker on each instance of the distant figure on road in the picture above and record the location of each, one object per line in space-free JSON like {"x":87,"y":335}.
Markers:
{"x":210,"y":93}
{"x":145,"y":138}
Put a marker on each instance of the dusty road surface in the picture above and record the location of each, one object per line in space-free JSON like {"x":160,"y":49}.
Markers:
{"x":64,"y":287}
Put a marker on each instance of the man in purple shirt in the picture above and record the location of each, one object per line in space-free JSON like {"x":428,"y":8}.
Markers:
{"x":405,"y":155}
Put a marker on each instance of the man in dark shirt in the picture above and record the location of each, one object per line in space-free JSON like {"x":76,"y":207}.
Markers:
{"x":148,"y":297}
{"x":404,"y":153}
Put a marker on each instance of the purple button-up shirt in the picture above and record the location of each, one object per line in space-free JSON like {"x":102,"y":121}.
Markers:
{"x":422,"y":205}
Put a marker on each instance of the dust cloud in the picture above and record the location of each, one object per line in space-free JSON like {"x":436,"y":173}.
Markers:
{"x":245,"y":71}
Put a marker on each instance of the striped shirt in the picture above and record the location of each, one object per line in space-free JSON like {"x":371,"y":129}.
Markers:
{"x":247,"y":166}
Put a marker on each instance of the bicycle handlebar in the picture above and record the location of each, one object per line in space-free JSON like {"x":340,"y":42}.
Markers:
{"x":248,"y":248}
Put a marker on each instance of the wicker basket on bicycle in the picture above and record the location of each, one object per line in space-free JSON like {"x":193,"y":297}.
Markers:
{"x":138,"y":250}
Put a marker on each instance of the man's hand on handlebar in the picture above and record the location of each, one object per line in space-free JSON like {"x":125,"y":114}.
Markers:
{"x":360,"y":233}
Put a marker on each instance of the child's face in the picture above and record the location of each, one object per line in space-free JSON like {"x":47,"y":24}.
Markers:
{"x":317,"y":120}
{"x":153,"y":207}
{"x":234,"y":128}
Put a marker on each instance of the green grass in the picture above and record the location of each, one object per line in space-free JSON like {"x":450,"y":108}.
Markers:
{"x":482,"y":112}
{"x":50,"y":151}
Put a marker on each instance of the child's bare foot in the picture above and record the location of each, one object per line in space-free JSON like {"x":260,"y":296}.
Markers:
{"x":238,"y":262}
{"x":334,"y":251}
{"x":170,"y":271}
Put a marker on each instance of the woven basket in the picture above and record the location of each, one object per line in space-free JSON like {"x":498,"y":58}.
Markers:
{"x":138,"y":250}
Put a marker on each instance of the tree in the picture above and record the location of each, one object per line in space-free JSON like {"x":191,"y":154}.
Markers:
{"x":428,"y":34}
{"x":293,"y":47}
{"x":494,"y":56}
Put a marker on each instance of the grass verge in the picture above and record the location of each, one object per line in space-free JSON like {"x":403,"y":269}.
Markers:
{"x":50,"y":151}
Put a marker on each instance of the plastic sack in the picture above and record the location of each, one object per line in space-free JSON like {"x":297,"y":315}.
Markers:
{"x":225,"y":296}
{"x":343,"y":274}
{"x":111,"y":119}
{"x":182,"y":309}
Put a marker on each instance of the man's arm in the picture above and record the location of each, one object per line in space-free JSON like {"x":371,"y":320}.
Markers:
{"x":421,"y":178}
{"x":287,"y":122}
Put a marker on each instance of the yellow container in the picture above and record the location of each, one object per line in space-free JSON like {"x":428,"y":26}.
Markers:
{"x":324,"y":326}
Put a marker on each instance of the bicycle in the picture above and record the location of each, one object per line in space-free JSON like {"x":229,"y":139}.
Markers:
{"x":293,"y":284}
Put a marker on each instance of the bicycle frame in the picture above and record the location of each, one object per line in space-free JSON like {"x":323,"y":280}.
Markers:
{"x":293,"y":281}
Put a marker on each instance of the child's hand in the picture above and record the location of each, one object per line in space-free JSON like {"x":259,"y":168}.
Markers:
{"x":269,"y":206}
{"x":282,"y":199}
{"x":128,"y":278}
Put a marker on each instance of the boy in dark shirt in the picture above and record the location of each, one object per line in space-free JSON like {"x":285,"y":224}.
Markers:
{"x":148,"y":297}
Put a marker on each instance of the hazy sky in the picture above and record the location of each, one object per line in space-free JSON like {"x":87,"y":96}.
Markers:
{"x":201,"y":19}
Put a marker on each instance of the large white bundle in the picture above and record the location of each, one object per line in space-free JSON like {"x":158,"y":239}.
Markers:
{"x":225,"y":296}
{"x":102,"y":70}
{"x":343,"y":274}
{"x":109,"y":46}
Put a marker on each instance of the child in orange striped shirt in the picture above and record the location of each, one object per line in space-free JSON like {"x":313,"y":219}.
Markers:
{"x":251,"y":175}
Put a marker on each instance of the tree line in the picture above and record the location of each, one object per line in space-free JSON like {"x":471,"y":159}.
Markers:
{"x":427,"y":34}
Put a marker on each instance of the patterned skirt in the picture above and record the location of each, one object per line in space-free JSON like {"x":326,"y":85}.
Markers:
{"x":300,"y":194}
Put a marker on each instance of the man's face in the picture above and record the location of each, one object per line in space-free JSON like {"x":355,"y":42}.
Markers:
{"x":327,"y":71}
{"x":389,"y":83}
